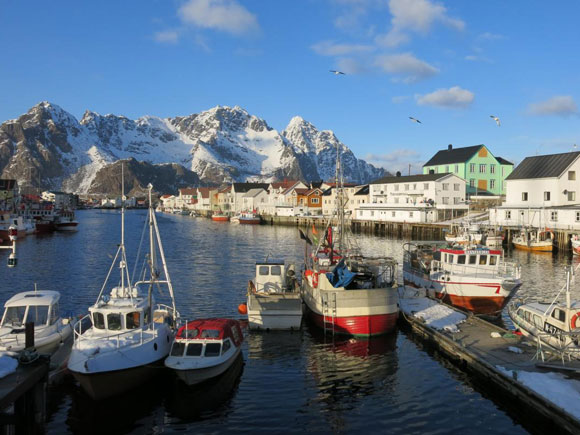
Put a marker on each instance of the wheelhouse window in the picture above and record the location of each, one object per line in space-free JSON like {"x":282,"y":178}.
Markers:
{"x":14,"y":316}
{"x":114,"y":321}
{"x":226,"y":346}
{"x":210,"y":333}
{"x":493,"y":260}
{"x":38,"y":314}
{"x":54,"y":314}
{"x":99,"y":320}
{"x":275,"y":270}
{"x":483,"y":260}
{"x":194,"y":349}
{"x":472,"y":259}
{"x":133,"y":320}
{"x":461,"y":259}
{"x":212,"y":349}
{"x":559,"y":314}
{"x":177,"y":348}
{"x":264,"y":270}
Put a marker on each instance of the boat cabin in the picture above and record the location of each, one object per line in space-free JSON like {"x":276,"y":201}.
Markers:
{"x":40,"y":307}
{"x":274,"y":277}
{"x":207,"y":338}
{"x":124,"y":310}
{"x":482,"y":258}
{"x":557,"y":319}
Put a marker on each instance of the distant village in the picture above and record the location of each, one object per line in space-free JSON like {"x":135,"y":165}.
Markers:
{"x":539,"y":192}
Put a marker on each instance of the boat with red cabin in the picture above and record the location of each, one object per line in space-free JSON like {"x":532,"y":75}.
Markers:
{"x":473,"y":278}
{"x":204,"y":349}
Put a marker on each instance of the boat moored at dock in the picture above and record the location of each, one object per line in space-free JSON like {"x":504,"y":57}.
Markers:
{"x":534,"y":240}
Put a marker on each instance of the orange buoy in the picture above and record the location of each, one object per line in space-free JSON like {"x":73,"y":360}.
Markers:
{"x":243,"y":309}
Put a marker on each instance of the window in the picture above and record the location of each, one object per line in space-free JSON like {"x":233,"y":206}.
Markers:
{"x":572,"y":175}
{"x":493,"y":260}
{"x":425,"y":186}
{"x":559,"y":314}
{"x":410,"y":214}
{"x":213,"y":349}
{"x":571,"y":196}
{"x":275,"y":271}
{"x":502,"y":171}
{"x":264,"y":270}
{"x":445,"y":186}
{"x":446,"y":168}
{"x":578,"y":216}
{"x":38,"y":314}
{"x":554,"y":216}
{"x":236,"y":334}
{"x":99,"y":320}
{"x":524,"y":196}
{"x":114,"y":321}
{"x":482,"y":168}
{"x":456,"y":187}
{"x":226,"y":346}
{"x":393,"y":213}
{"x":471,"y":182}
{"x":461,"y":259}
{"x":456,"y":200}
{"x":445,"y":200}
{"x":54,"y":314}
{"x":492,"y":169}
{"x":314,"y":200}
{"x":456,"y":169}
{"x":194,"y":349}
{"x":406,"y":187}
{"x":190,"y":333}
{"x":472,"y":167}
{"x":396,"y":200}
{"x":14,"y":316}
{"x":482,"y":260}
{"x":472,"y":259}
{"x":546,"y":196}
{"x":415,"y":186}
{"x":132,"y":320}
{"x":177,"y":348}
{"x":492,"y":184}
{"x":396,"y":187}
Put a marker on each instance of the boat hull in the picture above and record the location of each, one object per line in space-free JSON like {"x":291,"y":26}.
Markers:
{"x":220,"y":218}
{"x":250,"y":221}
{"x":107,"y":384}
{"x":197,"y":376}
{"x":275,"y":311}
{"x":533,"y":247}
{"x":67,"y":226}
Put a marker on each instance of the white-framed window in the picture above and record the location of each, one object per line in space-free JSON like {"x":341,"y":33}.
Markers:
{"x":482,"y":168}
{"x":471,"y":182}
{"x":456,"y":200}
{"x":372,"y":212}
{"x":508,"y":214}
{"x":315,"y":200}
{"x":396,"y":200}
{"x":445,"y":200}
{"x":446,"y":168}
{"x":472,"y":167}
{"x":456,"y":186}
{"x":492,"y":169}
{"x":445,"y":186}
{"x":406,"y":187}
{"x":578,"y":216}
{"x":524,"y":196}
{"x":572,"y":175}
{"x":393,"y":213}
{"x":554,"y":216}
{"x":571,"y":196}
{"x":546,"y":196}
{"x":492,"y":184}
{"x":456,"y":169}
{"x":425,"y":186}
{"x":396,"y":187}
{"x":410,"y":214}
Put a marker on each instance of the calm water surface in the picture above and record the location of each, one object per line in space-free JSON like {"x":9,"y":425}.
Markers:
{"x":284,"y":382}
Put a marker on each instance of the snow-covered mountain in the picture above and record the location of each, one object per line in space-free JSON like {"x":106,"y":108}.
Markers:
{"x":223,"y":144}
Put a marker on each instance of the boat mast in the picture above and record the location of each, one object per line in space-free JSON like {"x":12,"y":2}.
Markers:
{"x":339,"y":196}
{"x":122,"y":265}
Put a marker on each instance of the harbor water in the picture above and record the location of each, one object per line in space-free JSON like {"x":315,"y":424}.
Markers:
{"x":284,"y":382}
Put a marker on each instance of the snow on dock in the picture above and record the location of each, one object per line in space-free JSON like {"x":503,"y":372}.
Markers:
{"x":509,"y":361}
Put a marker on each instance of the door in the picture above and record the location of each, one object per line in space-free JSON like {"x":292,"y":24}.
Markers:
{"x":482,"y":185}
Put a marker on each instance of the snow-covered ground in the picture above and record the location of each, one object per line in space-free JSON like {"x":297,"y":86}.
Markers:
{"x":7,"y":365}
{"x":553,"y":386}
{"x":415,"y":302}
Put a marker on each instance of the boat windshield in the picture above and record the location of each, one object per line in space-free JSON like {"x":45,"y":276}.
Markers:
{"x":210,"y":333}
{"x":213,"y":349}
{"x":14,"y":316}
{"x":38,"y":314}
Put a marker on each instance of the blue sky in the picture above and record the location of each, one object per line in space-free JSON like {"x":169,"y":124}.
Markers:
{"x":449,"y":64}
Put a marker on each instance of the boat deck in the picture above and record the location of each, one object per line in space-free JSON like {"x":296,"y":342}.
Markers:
{"x":510,"y":362}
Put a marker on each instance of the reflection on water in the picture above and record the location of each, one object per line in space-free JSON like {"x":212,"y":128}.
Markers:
{"x":291,"y":382}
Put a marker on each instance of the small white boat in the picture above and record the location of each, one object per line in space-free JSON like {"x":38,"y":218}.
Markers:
{"x":274,"y":300}
{"x":554,"y":325}
{"x":204,"y":349}
{"x":534,"y":240}
{"x":51,"y":331}
{"x":468,"y":234}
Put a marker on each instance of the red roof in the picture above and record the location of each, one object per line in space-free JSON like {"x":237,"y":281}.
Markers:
{"x":223,"y":326}
{"x":166,"y":196}
{"x":204,"y":191}
{"x":284,"y":184}
{"x":187,"y":191}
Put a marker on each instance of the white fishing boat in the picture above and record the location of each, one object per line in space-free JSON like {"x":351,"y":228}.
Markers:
{"x":555,"y":326}
{"x":476,"y":279}
{"x":534,"y":240}
{"x":492,"y":238}
{"x":129,"y":334}
{"x":204,"y":349}
{"x":51,"y":331}
{"x":467,"y":234}
{"x":274,"y":300}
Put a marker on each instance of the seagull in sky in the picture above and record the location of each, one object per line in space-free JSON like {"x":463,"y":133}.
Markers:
{"x":337,"y":72}
{"x":496,"y":119}
{"x":415,"y":120}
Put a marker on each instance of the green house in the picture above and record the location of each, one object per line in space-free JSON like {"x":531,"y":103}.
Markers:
{"x":482,"y":171}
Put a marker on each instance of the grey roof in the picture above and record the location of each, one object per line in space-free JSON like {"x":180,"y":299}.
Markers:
{"x":254,"y":192}
{"x":410,"y":178}
{"x":503,"y":161}
{"x":244,"y":187}
{"x":454,"y":155}
{"x":548,"y":166}
{"x":363,"y":190}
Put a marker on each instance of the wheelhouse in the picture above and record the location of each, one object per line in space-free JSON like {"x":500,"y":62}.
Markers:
{"x":40,"y":307}
{"x":206,"y":338}
{"x":122,"y":311}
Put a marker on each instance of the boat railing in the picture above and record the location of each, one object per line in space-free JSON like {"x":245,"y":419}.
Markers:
{"x":143,"y":338}
{"x":504,"y":270}
{"x":564,"y":345}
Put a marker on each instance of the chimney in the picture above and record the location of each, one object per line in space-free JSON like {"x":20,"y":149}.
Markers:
{"x":398,"y":173}
{"x":449,"y":147}
{"x":431,"y":171}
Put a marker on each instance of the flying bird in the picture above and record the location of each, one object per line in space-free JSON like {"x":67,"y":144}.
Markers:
{"x":415,"y":120}
{"x":496,"y":119}
{"x":336,"y":72}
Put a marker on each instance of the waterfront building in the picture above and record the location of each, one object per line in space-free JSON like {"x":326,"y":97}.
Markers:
{"x":414,"y":198}
{"x":186,"y":198}
{"x":61,"y":200}
{"x":255,"y":199}
{"x":237,"y":192}
{"x":542,"y":191}
{"x":482,"y":171}
{"x":204,"y":196}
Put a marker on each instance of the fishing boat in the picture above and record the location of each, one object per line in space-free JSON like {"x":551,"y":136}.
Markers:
{"x":51,"y":331}
{"x":220,"y":217}
{"x":492,"y":238}
{"x":249,"y":218}
{"x":65,"y":221}
{"x":475,"y":279}
{"x":534,"y":240}
{"x":204,"y":349}
{"x":273,"y":298}
{"x":464,"y":234}
{"x":129,"y":334}
{"x":554,"y":325}
{"x":344,"y":291}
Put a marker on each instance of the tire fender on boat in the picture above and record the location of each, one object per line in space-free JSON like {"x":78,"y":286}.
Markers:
{"x":573,"y":320}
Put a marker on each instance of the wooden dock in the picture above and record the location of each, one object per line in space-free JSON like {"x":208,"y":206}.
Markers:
{"x":474,"y":350}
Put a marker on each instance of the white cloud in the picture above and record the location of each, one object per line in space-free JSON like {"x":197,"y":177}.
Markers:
{"x":416,"y":16}
{"x":406,"y":65}
{"x":398,"y":160}
{"x":224,"y":15}
{"x":400,"y":99}
{"x":349,"y":65}
{"x":475,"y":58}
{"x":455,"y":98}
{"x":562,"y":105}
{"x":487,"y":36}
{"x":167,"y":36}
{"x":329,"y":48}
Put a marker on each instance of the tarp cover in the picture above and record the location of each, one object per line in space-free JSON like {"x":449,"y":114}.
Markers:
{"x":340,"y":276}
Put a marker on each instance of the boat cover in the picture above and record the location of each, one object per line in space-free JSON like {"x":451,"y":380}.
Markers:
{"x":340,"y":276}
